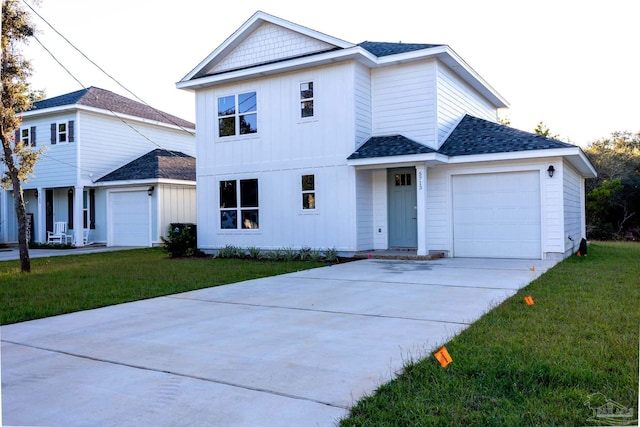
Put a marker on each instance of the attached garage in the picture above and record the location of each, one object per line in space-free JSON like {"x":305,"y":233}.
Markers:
{"x":497,"y":215}
{"x":130,"y":218}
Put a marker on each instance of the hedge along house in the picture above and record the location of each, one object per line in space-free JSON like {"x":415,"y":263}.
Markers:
{"x":306,"y":140}
{"x":116,"y":171}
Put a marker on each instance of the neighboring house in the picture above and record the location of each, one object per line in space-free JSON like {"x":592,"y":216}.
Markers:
{"x":116,"y":171}
{"x":305,"y":140}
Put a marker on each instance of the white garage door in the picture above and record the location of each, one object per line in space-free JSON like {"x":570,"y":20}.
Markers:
{"x":129,"y":219}
{"x":497,"y":215}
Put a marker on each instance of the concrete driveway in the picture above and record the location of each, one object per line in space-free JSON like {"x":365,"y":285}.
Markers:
{"x":291,"y":350}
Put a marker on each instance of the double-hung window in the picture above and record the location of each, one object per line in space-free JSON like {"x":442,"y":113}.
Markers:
{"x":306,"y":99}
{"x":239,"y":204}
{"x":308,"y":192}
{"x":238,"y":114}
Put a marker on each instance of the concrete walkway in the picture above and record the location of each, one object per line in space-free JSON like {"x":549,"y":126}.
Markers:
{"x":291,"y":350}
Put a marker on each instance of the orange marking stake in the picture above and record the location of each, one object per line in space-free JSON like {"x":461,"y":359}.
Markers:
{"x":443,"y":356}
{"x":528,"y":300}
{"x":533,"y":268}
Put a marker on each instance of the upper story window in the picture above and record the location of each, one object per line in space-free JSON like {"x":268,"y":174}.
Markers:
{"x":26,"y":136}
{"x":306,"y":99}
{"x":62,"y":132}
{"x":238,"y":114}
{"x":308,"y":192}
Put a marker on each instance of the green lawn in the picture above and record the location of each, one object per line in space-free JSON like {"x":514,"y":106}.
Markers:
{"x":65,"y":284}
{"x":533,"y":365}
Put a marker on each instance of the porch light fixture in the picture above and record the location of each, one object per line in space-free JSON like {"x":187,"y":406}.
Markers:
{"x":150,"y":190}
{"x":35,"y":193}
{"x":551,"y":170}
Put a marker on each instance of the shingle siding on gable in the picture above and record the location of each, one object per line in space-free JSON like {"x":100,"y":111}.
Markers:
{"x":269,"y":43}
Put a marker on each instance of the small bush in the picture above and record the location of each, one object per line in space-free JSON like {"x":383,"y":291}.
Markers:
{"x":304,"y":253}
{"x":254,"y":252}
{"x":289,"y":254}
{"x":181,"y":241}
{"x":229,"y":251}
{"x":331,"y":254}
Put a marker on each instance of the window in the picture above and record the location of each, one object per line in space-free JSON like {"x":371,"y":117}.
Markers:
{"x":62,"y":132}
{"x":403,"y":179}
{"x":27,"y":136}
{"x":237,"y":114}
{"x":247,"y":212}
{"x":308,"y":192}
{"x":306,"y":99}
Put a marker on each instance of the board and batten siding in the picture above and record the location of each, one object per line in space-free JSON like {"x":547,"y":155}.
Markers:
{"x":573,"y":209}
{"x":284,"y":148}
{"x":404,"y":101}
{"x":176,"y":204}
{"x":456,"y":98}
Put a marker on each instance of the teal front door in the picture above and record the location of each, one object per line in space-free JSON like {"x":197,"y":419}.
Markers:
{"x":403,"y":232}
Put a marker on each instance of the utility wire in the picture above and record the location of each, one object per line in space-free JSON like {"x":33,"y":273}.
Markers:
{"x":170,"y":119}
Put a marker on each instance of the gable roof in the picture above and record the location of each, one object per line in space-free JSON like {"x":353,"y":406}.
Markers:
{"x":106,"y":100}
{"x":287,"y":46}
{"x":390,"y":145}
{"x":156,"y":164}
{"x":477,"y":136}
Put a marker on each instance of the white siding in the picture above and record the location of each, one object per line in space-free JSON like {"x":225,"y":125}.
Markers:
{"x":573,"y":209}
{"x":364,"y":209}
{"x":269,"y":43}
{"x":284,"y":148}
{"x":108,"y":143}
{"x":362,"y":104}
{"x":57,"y":166}
{"x":456,"y":98}
{"x":176,"y":203}
{"x":380,"y":213}
{"x":404,"y":101}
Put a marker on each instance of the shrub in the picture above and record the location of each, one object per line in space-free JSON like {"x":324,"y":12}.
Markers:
{"x":229,"y":251}
{"x":254,"y":252}
{"x":181,"y":240}
{"x":331,"y":254}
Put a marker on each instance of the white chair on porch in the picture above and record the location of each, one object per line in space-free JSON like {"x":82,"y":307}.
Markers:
{"x":59,"y":233}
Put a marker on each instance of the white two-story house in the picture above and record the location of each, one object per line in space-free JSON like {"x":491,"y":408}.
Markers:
{"x":306,"y":140}
{"x":114,"y":170}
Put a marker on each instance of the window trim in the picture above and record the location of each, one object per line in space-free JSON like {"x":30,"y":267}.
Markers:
{"x":311,"y":99}
{"x":303,"y":192}
{"x":237,"y":115}
{"x":240,"y":208}
{"x":65,"y":133}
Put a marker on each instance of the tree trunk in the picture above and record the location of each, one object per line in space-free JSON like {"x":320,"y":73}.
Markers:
{"x":21,"y":212}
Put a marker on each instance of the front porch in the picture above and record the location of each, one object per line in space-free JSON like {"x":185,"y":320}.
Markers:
{"x":398,"y":254}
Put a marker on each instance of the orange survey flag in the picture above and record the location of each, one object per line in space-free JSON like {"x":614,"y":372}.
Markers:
{"x":528,"y":300}
{"x":443,"y":357}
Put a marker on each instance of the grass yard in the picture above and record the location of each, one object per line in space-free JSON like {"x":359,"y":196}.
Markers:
{"x":65,"y":284}
{"x":549,"y":364}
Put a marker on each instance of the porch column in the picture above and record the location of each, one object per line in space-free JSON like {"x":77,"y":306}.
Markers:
{"x":78,"y":216}
{"x":421,"y":207}
{"x":4,"y":216}
{"x":40,"y":226}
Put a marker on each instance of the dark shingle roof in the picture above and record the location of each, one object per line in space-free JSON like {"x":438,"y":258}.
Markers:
{"x":106,"y":100}
{"x":392,"y":145}
{"x":477,"y":136}
{"x":471,"y":136}
{"x":385,"y":49}
{"x":156,"y":164}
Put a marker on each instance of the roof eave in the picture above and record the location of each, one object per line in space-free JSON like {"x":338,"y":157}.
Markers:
{"x":574,"y":155}
{"x":247,"y":28}
{"x":396,"y":161}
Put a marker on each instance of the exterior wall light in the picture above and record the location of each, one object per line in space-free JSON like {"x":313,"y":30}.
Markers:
{"x":551,"y":170}
{"x":150,"y":190}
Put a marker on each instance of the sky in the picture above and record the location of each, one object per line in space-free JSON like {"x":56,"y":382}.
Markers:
{"x":573,"y":65}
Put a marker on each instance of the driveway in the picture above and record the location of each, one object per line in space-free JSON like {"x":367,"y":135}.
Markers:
{"x":292,"y":350}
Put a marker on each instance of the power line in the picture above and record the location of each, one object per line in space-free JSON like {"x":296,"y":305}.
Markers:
{"x":161,"y":113}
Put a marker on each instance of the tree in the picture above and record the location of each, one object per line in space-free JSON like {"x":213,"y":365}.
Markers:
{"x":613,"y":198}
{"x":17,"y":156}
{"x":542,"y":129}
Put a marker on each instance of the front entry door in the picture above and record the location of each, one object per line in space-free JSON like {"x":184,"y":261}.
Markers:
{"x":403,"y":223}
{"x":49,"y":209}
